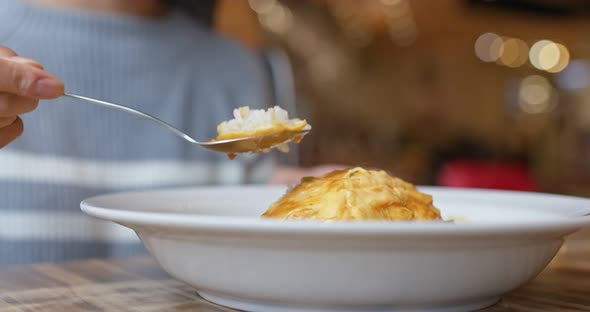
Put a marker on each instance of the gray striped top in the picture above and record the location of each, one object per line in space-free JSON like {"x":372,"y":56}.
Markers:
{"x":170,"y":67}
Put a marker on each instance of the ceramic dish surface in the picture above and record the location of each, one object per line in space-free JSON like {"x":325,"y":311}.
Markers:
{"x":214,"y":239}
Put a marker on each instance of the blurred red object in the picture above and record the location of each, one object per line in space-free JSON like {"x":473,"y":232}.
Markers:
{"x":486,"y":174}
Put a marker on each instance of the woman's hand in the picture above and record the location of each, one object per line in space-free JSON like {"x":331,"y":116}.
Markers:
{"x":22,"y":83}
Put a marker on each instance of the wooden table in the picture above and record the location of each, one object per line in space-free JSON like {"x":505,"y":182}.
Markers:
{"x":138,"y":284}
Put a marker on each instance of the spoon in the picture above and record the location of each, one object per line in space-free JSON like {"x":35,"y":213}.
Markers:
{"x":256,"y":144}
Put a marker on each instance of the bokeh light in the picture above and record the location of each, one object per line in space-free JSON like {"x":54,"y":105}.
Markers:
{"x":535,"y":53}
{"x":489,"y":47}
{"x":514,"y":52}
{"x":549,"y":56}
{"x":564,"y":59}
{"x":536,"y":95}
{"x":576,"y":76}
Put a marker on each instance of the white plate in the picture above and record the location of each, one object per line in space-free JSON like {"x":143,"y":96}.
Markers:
{"x":212,"y":238}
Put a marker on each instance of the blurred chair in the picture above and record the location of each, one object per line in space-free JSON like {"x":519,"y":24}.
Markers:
{"x":486,"y":174}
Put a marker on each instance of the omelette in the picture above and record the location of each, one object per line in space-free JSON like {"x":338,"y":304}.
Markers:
{"x":354,"y":194}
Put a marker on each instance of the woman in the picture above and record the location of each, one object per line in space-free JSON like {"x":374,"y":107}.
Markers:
{"x":145,"y":54}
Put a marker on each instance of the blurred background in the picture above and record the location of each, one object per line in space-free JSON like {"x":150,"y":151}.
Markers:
{"x":473,"y":93}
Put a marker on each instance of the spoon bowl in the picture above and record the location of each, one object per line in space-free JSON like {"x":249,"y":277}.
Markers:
{"x":256,"y":144}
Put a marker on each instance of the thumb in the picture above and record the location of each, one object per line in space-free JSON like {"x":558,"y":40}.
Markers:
{"x":24,"y":77}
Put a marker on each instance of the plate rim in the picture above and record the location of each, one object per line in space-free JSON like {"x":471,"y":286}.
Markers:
{"x":245,"y":224}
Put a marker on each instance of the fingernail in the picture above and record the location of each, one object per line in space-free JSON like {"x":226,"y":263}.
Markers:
{"x":48,"y":88}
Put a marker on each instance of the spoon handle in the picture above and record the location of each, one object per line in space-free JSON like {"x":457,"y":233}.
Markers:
{"x":134,"y":112}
